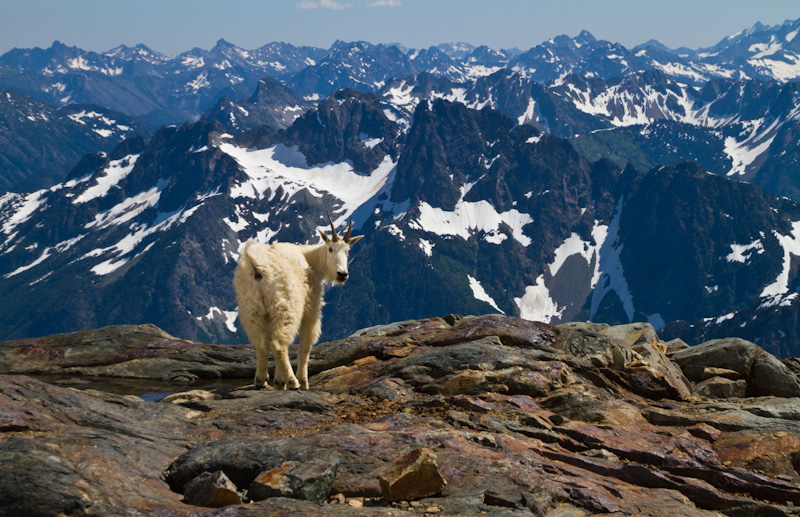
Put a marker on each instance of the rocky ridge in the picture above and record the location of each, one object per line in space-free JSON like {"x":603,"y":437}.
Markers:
{"x":454,"y":416}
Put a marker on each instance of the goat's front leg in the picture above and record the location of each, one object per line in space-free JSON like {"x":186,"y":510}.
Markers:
{"x":309,"y":334}
{"x":284,"y":376}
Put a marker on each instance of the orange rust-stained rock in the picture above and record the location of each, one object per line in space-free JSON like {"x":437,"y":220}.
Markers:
{"x":414,"y":476}
{"x":577,"y":419}
{"x":769,"y":454}
{"x":705,"y":431}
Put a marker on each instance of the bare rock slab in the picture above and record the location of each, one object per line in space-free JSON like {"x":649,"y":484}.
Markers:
{"x":414,"y":476}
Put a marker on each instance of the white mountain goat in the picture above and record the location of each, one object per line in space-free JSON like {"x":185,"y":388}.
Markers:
{"x":280,"y":290}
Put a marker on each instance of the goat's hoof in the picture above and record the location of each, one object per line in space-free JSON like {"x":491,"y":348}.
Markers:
{"x":288,"y":385}
{"x":261,"y":384}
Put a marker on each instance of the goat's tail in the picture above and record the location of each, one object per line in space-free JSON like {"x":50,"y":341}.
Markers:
{"x":247,"y":259}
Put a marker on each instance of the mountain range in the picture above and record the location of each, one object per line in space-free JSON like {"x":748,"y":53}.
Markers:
{"x":578,"y":180}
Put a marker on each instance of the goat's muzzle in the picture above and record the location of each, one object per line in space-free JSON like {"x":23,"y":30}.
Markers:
{"x":341,"y":277}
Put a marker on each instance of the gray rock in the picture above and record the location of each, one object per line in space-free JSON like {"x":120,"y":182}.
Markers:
{"x":240,"y":459}
{"x":731,"y":353}
{"x":710,"y":371}
{"x":212,"y":490}
{"x":130,"y":351}
{"x":383,"y":329}
{"x":675,"y":345}
{"x":633,"y":350}
{"x":769,"y":376}
{"x":583,"y":339}
{"x":307,"y":480}
{"x":721,"y":388}
{"x":633,"y":334}
{"x":513,"y":332}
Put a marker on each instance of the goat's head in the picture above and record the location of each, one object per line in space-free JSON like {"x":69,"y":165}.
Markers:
{"x":338,"y":252}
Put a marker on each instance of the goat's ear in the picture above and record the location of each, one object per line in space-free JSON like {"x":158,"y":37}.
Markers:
{"x":353,"y":240}
{"x":324,"y":237}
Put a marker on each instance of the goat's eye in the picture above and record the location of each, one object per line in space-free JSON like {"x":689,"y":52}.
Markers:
{"x":330,"y":248}
{"x":348,"y":252}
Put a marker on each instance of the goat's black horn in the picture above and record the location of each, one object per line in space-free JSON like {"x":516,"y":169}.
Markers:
{"x":349,"y":229}
{"x":334,"y":237}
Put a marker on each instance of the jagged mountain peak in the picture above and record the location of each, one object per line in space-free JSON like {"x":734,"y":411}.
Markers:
{"x":585,"y":37}
{"x":457,"y":50}
{"x":652,"y":43}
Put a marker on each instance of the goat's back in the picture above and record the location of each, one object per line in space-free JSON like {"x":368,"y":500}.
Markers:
{"x":270,"y":279}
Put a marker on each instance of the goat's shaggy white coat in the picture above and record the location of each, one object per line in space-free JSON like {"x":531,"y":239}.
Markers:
{"x":280,"y":289}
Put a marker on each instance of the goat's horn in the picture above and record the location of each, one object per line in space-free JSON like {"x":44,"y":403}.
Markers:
{"x":334,"y":237}
{"x":349,"y":229}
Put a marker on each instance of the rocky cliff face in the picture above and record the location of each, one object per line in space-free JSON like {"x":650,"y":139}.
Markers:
{"x":466,"y":212}
{"x":457,"y":416}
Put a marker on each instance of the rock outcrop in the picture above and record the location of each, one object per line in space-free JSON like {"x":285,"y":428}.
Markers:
{"x":125,"y":351}
{"x":456,"y":416}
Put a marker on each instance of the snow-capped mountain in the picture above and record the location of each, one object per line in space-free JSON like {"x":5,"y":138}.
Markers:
{"x":452,"y":160}
{"x":468,"y":211}
{"x":39,"y":144}
{"x":742,"y":128}
{"x":456,"y":50}
{"x":172,"y":89}
{"x":359,"y":65}
{"x":745,"y":129}
{"x":146,"y":84}
{"x":273,"y":104}
{"x":760,"y":52}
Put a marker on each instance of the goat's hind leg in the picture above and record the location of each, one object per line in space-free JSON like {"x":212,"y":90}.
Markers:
{"x":285,"y":378}
{"x":257,"y":337}
{"x":283,"y":335}
{"x":262,"y":365}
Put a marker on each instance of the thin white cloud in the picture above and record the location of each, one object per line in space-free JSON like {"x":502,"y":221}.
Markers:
{"x":385,"y":3}
{"x":322,"y":4}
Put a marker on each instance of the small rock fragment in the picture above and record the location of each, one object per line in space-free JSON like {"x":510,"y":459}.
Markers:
{"x":704,"y":431}
{"x":675,"y":345}
{"x":601,"y":453}
{"x":414,"y":476}
{"x":188,"y":396}
{"x":310,"y":480}
{"x":212,"y":490}
{"x":710,"y":371}
{"x":721,"y":388}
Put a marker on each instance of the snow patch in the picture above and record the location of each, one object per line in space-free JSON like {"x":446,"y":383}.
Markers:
{"x":469,"y":217}
{"x":480,"y":293}
{"x":285,"y":168}
{"x":610,"y":274}
{"x":229,"y":317}
{"x":742,"y":252}
{"x":116,"y":171}
{"x":536,"y":304}
{"x":44,"y":256}
{"x":776,"y":292}
{"x":22,"y":207}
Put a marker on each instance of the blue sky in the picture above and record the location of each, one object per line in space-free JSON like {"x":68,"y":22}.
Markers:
{"x":173,"y":26}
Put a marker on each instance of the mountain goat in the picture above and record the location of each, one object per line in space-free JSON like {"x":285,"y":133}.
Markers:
{"x":280,"y":290}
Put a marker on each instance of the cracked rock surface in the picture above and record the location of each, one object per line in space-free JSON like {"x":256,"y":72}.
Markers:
{"x":514,"y":418}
